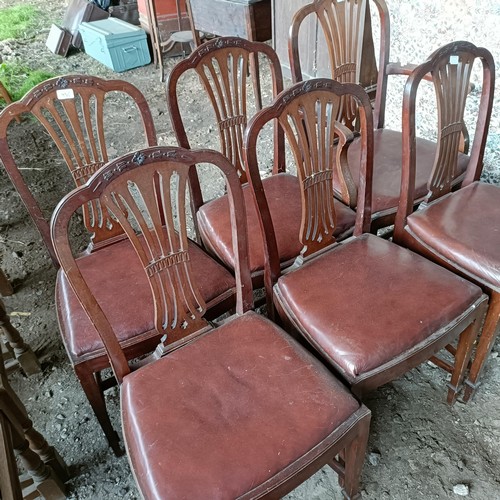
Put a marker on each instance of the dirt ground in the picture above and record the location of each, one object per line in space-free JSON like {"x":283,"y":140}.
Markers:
{"x":419,"y":446}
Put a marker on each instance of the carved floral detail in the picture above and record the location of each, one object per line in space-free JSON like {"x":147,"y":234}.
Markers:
{"x":138,"y":158}
{"x":62,"y":82}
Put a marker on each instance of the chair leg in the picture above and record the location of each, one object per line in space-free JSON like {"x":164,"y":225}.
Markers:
{"x":96,"y":400}
{"x":463,"y":354}
{"x":5,"y":286}
{"x":22,"y":351}
{"x":10,"y":487}
{"x":486,"y":341}
{"x":354,"y":458}
{"x":47,"y":483}
{"x":47,"y":453}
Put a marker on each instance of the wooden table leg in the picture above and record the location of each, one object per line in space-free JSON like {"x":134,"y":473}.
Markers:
{"x":22,"y":351}
{"x":41,"y":460}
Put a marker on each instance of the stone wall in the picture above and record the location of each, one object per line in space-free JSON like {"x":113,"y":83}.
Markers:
{"x":418,"y":27}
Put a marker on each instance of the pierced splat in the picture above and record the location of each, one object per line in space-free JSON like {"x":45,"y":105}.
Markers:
{"x":450,"y":68}
{"x":224,"y":67}
{"x":224,"y":77}
{"x":140,"y":201}
{"x":344,"y":22}
{"x":307,"y":113}
{"x":75,"y":124}
{"x":146,"y":192}
{"x":318,"y":143}
{"x":72,"y":109}
{"x":451,"y":83}
{"x":344,"y":26}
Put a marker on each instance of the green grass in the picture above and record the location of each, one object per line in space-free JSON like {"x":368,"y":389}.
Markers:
{"x":18,"y":79}
{"x":16,"y":21}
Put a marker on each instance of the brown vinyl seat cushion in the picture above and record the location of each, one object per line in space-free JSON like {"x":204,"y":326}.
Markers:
{"x":118,"y":281}
{"x":284,"y":199}
{"x":464,"y":228}
{"x":387,"y":167}
{"x":218,"y":417}
{"x":367,"y":301}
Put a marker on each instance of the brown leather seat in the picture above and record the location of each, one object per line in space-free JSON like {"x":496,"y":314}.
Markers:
{"x":387,"y":168}
{"x":367,"y":302}
{"x":246,"y":402}
{"x":459,"y":230}
{"x":283,"y":195}
{"x":117,"y":268}
{"x":454,"y":227}
{"x":218,"y":411}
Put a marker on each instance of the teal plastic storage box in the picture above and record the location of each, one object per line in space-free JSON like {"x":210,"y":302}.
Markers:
{"x":115,"y":43}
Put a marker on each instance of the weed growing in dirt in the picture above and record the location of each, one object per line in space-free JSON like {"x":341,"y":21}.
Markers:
{"x":18,"y":79}
{"x":16,"y":21}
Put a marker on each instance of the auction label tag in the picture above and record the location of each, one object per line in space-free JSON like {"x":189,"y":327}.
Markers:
{"x":65,"y":94}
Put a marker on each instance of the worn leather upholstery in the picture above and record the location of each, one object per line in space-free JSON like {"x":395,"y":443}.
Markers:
{"x":387,"y":167}
{"x":117,"y":268}
{"x":244,"y":402}
{"x":284,"y":199}
{"x":464,"y":228}
{"x":368,"y":300}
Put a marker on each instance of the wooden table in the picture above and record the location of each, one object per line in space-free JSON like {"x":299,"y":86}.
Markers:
{"x":250,"y":19}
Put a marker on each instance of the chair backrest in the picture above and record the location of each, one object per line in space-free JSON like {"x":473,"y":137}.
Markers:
{"x":146,"y":192}
{"x":72,"y":110}
{"x":450,"y":68}
{"x":307,"y":113}
{"x":347,"y":30}
{"x":222,"y":66}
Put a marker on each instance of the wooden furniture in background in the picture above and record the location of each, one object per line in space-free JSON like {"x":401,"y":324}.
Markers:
{"x":16,"y":348}
{"x":213,"y":412}
{"x":459,"y":230}
{"x":47,"y":472}
{"x":372,"y":309}
{"x":166,"y":15}
{"x":249,"y":19}
{"x":167,"y":36}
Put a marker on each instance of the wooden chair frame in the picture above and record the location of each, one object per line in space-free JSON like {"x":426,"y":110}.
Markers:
{"x":46,"y":469}
{"x":354,"y":61}
{"x":311,"y":121}
{"x":455,"y":57}
{"x":347,"y":28}
{"x":5,"y":285}
{"x":228,"y":97}
{"x":81,"y":140}
{"x":307,"y":167}
{"x":348,"y":441}
{"x":16,"y":347}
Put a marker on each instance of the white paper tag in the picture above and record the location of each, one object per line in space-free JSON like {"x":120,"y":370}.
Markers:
{"x":453,"y":59}
{"x":65,"y":94}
